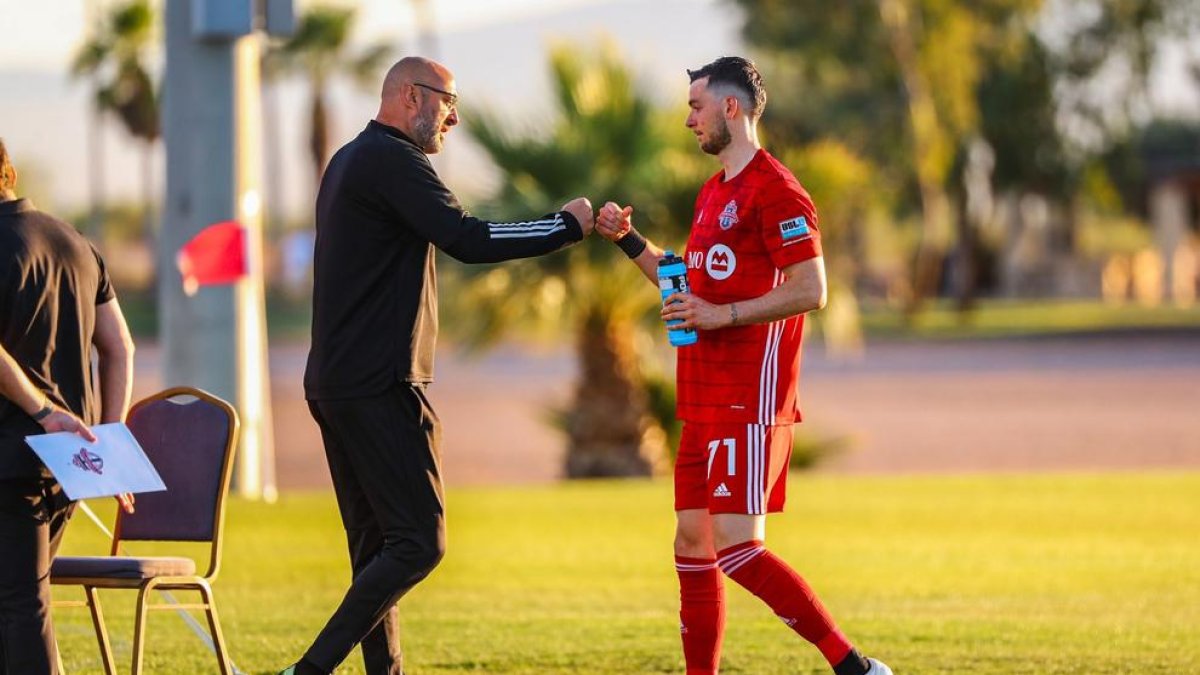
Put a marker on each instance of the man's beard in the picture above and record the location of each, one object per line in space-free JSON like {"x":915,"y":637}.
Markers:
{"x":425,"y":133}
{"x":718,"y":141}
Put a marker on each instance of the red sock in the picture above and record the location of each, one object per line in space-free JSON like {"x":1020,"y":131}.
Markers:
{"x":701,"y":613}
{"x":785,"y":592}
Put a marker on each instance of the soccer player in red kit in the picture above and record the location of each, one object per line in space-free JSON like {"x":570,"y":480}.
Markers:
{"x":754,"y":266}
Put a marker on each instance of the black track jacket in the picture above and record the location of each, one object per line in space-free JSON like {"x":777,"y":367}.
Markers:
{"x":381,"y":209}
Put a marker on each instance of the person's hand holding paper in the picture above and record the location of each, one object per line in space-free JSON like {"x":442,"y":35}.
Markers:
{"x":113,"y":464}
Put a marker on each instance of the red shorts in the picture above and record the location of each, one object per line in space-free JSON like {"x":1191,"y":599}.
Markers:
{"x":733,"y":468}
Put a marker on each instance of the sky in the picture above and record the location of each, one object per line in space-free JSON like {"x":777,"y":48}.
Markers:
{"x":51,"y":30}
{"x":497,"y":49}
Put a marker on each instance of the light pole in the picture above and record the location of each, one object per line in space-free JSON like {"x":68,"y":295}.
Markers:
{"x":216,"y":339}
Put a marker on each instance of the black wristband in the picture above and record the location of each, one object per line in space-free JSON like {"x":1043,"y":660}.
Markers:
{"x":44,"y":412}
{"x":632,"y":244}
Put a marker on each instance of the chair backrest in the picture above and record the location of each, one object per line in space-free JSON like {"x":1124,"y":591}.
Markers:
{"x":190,"y":436}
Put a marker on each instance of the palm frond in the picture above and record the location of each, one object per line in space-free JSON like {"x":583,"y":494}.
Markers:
{"x":117,"y":55}
{"x":90,"y":57}
{"x":365,"y":67}
{"x":322,"y":29}
{"x":606,"y":140}
{"x":132,"y":24}
{"x":135,"y":102}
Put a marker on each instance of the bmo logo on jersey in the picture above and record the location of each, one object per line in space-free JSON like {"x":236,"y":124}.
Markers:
{"x":721,"y":262}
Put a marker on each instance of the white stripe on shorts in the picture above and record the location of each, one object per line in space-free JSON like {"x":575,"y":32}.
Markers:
{"x":756,"y":459}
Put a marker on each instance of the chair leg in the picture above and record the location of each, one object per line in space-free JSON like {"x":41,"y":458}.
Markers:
{"x":214,"y":628}
{"x":139,"y":629}
{"x":106,"y":654}
{"x":62,"y":670}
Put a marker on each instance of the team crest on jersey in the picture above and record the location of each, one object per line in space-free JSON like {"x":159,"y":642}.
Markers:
{"x":721,"y":262}
{"x":795,"y":229}
{"x":728,"y":217}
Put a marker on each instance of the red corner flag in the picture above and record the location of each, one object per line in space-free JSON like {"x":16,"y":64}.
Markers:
{"x":216,"y":255}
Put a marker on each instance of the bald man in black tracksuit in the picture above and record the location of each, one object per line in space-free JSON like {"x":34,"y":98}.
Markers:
{"x":381,"y":211}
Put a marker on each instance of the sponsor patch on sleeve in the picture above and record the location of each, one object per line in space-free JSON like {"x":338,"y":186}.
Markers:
{"x":794,"y":230}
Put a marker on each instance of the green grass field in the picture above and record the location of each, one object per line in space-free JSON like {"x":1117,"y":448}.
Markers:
{"x":291,"y":318}
{"x":1011,"y":318}
{"x":982,"y":574}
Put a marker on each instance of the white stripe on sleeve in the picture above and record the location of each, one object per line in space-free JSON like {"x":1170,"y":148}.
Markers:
{"x":527,"y":229}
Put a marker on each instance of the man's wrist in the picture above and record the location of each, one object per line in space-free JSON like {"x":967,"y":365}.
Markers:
{"x":632,"y":244}
{"x":44,"y":412}
{"x":733,"y":314}
{"x":572,"y":220}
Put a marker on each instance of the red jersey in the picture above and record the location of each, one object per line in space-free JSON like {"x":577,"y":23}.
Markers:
{"x":745,"y":231}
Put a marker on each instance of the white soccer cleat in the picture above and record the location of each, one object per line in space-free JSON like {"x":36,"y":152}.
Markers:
{"x":878,"y":668}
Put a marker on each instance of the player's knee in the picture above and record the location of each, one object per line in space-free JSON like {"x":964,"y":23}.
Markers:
{"x":419,"y":551}
{"x":432,"y":549}
{"x":725,"y":540}
{"x":693,"y":542}
{"x":733,"y":529}
{"x":433,"y":555}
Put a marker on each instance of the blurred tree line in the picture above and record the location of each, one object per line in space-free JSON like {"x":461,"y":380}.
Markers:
{"x":931,"y":134}
{"x":949,"y":107}
{"x":909,"y":121}
{"x":115,"y":61}
{"x":319,"y":51}
{"x":608,"y":141}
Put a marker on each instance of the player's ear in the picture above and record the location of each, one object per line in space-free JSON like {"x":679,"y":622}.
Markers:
{"x":732,"y":107}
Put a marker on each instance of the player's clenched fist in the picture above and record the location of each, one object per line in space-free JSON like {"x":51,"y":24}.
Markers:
{"x":581,"y":208}
{"x":614,"y":222}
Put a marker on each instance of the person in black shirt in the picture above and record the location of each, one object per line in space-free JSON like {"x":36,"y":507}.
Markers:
{"x":56,"y":304}
{"x":381,"y":210}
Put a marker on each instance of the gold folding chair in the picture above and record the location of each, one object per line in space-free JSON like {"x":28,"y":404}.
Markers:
{"x":190,"y":436}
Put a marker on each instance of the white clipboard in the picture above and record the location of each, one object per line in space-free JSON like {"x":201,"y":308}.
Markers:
{"x":112,"y":465}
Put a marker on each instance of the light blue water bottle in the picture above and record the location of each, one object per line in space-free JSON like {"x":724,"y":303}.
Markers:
{"x":672,"y":278}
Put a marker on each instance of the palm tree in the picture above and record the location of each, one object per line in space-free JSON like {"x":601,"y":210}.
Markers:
{"x":96,"y":154}
{"x":319,"y":50}
{"x":115,"y":58}
{"x":610,"y":143}
{"x":847,"y":190}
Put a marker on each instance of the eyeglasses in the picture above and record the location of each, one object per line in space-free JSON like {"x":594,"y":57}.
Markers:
{"x":453,"y":101}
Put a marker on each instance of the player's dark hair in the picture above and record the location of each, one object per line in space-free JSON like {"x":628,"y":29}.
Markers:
{"x":738,"y":74}
{"x":8,"y":175}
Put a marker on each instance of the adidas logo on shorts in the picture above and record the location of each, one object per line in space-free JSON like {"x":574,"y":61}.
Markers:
{"x":721,"y":491}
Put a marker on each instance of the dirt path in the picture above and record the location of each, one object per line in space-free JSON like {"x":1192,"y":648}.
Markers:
{"x":1113,"y":402}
